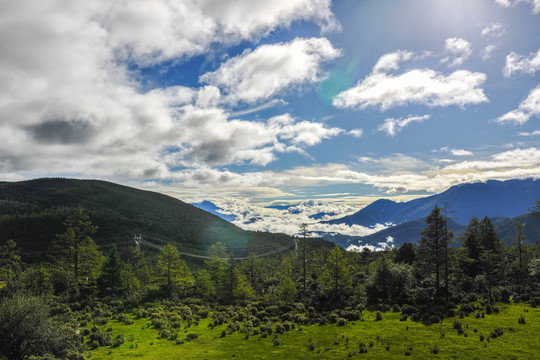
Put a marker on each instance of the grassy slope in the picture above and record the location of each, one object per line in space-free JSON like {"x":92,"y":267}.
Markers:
{"x":522,"y":343}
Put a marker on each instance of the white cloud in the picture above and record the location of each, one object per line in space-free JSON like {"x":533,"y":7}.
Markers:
{"x":461,"y":152}
{"x":519,"y":63}
{"x":518,"y":158}
{"x":527,"y":108}
{"x":269,"y":69}
{"x":494,"y":30}
{"x":70,"y":105}
{"x":392,"y":126}
{"x":455,"y":152}
{"x":390,"y":62}
{"x":533,"y":133}
{"x":459,"y":49}
{"x":150,"y":31}
{"x":419,"y":86}
{"x":535,"y":4}
{"x":488,"y":50}
{"x":357,"y":133}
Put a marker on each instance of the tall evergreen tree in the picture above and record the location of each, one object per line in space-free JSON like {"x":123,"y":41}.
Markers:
{"x":470,"y":240}
{"x":519,"y":241}
{"x":336,"y":278}
{"x":287,"y":288}
{"x":80,"y":252}
{"x":432,"y":244}
{"x":172,"y":270}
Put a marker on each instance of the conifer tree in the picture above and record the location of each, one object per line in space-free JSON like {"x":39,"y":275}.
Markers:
{"x":432,"y":244}
{"x":10,"y":260}
{"x":80,"y":252}
{"x":172,"y":270}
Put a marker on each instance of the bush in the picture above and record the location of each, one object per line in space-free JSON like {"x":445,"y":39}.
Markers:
{"x":192,"y":336}
{"x":521,"y":320}
{"x":118,"y":340}
{"x":457,"y":325}
{"x":341,"y":322}
{"x":396,"y":308}
{"x":496,"y":333}
{"x":362,"y":348}
{"x":403,"y":317}
{"x":378,"y":316}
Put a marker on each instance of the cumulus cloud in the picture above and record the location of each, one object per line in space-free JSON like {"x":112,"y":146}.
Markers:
{"x":459,"y":50}
{"x":269,"y":69}
{"x":527,"y":108}
{"x":392,"y":126}
{"x":535,"y":4}
{"x":427,"y":87}
{"x":419,"y":86}
{"x":70,"y":103}
{"x":519,"y":63}
{"x":390,"y":62}
{"x":148,"y":31}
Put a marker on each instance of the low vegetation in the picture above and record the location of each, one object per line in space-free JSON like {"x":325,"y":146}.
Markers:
{"x":476,"y":300}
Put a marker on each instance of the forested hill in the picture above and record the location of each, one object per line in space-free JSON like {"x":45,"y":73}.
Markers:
{"x":32,"y":213}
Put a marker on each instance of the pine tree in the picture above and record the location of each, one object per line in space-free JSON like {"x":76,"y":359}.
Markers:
{"x":79,"y":250}
{"x":10,"y":260}
{"x":336,"y":278}
{"x":432,"y":244}
{"x":471,"y":243}
{"x":287,"y":288}
{"x":172,"y":270}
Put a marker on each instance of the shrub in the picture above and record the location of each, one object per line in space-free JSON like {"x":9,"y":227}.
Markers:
{"x":118,"y":340}
{"x":192,"y":336}
{"x":450,"y":313}
{"x":164,"y":334}
{"x":276,"y":342}
{"x":403,"y":317}
{"x":457,"y":325}
{"x":396,"y":308}
{"x":333,"y":318}
{"x":378,"y":316}
{"x":341,"y":322}
{"x":521,"y":320}
{"x":496,"y":333}
{"x":408,"y":310}
{"x":280,"y":329}
{"x":362,"y":348}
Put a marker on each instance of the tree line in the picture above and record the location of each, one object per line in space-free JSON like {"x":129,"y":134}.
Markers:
{"x":477,"y":265}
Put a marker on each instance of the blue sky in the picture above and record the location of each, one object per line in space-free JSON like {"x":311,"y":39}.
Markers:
{"x":251,"y":103}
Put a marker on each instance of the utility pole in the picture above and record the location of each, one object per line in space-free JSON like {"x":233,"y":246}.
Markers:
{"x":304,"y":232}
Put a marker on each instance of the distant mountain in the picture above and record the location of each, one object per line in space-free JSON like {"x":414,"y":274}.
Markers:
{"x":493,"y":199}
{"x":213,"y":209}
{"x":32,"y":213}
{"x":411,"y":231}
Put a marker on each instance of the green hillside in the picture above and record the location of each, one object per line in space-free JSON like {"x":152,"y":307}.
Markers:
{"x":32,"y":213}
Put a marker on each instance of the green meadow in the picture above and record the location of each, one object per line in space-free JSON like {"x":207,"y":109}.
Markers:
{"x":366,"y":338}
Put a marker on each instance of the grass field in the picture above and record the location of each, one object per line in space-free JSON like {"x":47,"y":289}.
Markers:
{"x":389,"y":338}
